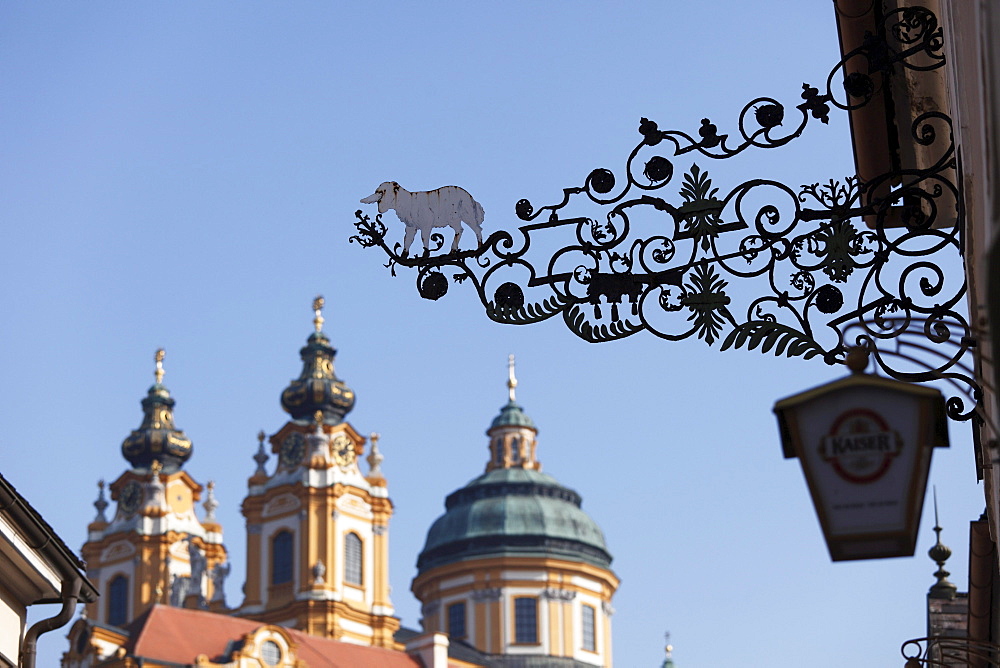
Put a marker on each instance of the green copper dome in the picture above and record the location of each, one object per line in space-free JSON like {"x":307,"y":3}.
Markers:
{"x":513,"y":509}
{"x":157,"y":439}
{"x":317,"y":388}
{"x":512,"y":415}
{"x":513,"y":512}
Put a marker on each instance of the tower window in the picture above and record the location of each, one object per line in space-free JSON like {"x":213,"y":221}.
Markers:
{"x":515,"y":449}
{"x":281,"y":558}
{"x":456,"y":621}
{"x":118,"y":601}
{"x":588,"y":617}
{"x":352,"y":559}
{"x":526,"y":620}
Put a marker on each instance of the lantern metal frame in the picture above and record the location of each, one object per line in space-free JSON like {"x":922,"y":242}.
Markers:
{"x":807,"y":244}
{"x":918,"y":430}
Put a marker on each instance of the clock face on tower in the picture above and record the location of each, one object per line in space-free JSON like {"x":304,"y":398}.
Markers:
{"x":343,"y":451}
{"x":130,"y":497}
{"x":293,"y":449}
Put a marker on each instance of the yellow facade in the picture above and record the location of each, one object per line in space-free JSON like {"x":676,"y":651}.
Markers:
{"x":150,"y":543}
{"x":317,"y":541}
{"x":503,"y":554}
{"x":320,"y":515}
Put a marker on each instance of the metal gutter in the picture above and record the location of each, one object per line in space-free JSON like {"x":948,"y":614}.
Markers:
{"x":41,"y":537}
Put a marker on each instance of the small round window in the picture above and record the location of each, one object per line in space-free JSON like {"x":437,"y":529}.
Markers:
{"x":270,"y":652}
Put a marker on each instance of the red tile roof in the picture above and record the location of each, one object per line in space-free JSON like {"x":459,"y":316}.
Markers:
{"x":179,"y":635}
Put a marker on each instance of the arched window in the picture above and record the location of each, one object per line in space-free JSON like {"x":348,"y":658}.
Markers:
{"x":352,"y":559}
{"x":118,"y":601}
{"x":281,"y":558}
{"x":515,"y":449}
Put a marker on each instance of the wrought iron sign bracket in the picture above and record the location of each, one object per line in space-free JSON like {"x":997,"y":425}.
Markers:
{"x":844,"y":263}
{"x":948,"y":652}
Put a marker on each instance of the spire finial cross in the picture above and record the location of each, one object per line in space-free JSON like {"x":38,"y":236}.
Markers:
{"x":511,"y":380}
{"x":160,"y":354}
{"x":318,"y":304}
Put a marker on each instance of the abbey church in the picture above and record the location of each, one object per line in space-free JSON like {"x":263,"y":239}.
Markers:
{"x":513,"y":574}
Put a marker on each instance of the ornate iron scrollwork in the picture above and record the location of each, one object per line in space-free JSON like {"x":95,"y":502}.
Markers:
{"x":941,"y":651}
{"x":846,"y":262}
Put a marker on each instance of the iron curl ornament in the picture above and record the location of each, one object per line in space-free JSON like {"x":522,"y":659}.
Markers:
{"x":948,"y":652}
{"x":661,"y":248}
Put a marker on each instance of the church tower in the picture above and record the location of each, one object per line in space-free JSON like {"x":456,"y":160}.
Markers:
{"x":317,"y":528}
{"x":155,"y":549}
{"x":514,"y":567}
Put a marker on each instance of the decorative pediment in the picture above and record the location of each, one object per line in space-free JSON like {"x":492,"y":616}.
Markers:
{"x":354,"y":505}
{"x":118,"y":550}
{"x":281,"y":504}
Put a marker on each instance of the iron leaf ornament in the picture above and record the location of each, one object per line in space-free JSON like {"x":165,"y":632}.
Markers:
{"x":843,"y":263}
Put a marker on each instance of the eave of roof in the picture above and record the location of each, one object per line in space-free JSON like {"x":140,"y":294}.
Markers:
{"x":179,"y":635}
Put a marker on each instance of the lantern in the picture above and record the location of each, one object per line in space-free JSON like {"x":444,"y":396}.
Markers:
{"x":865,"y":445}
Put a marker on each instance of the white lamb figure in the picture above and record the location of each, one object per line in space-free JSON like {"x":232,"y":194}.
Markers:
{"x":449,"y":206}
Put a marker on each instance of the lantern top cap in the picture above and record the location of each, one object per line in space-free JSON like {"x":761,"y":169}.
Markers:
{"x":857,"y":380}
{"x":930,"y":398}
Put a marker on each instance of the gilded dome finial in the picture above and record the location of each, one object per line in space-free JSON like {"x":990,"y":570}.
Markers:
{"x":511,"y":380}
{"x":158,"y":374}
{"x":318,"y":304}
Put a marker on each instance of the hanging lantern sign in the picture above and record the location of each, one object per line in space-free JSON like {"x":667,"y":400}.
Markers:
{"x":865,"y":444}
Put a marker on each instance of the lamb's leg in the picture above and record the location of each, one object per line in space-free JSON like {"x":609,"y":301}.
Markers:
{"x":408,"y":239}
{"x":477,"y":229}
{"x":458,"y":235}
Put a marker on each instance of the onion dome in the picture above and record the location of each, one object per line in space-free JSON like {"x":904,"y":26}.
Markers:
{"x":157,"y":438}
{"x":318,"y":388}
{"x":513,"y":509}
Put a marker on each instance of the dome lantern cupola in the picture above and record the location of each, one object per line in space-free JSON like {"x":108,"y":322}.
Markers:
{"x":157,"y":439}
{"x":513,"y":508}
{"x":511,"y":415}
{"x":512,"y":433}
{"x":317,"y":388}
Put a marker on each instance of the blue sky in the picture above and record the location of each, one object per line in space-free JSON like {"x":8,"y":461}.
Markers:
{"x":185,"y":174}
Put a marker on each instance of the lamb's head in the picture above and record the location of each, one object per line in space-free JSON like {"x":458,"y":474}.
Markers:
{"x":385,"y":195}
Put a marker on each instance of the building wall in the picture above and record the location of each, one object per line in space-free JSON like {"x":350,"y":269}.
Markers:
{"x":12,"y":616}
{"x":489,"y":587}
